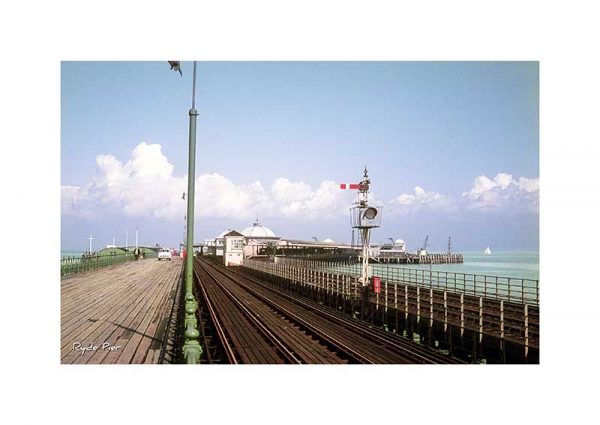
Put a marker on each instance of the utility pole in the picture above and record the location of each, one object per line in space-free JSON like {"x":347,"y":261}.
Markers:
{"x":91,"y":239}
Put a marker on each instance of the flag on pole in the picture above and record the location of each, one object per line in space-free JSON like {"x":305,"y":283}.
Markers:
{"x":176,"y":66}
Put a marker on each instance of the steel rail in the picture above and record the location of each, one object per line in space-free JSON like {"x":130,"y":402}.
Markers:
{"x":286,"y":353}
{"x":217,"y":323}
{"x":320,"y":333}
{"x":406,"y":347}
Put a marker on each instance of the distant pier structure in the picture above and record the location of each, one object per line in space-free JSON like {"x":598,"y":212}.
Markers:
{"x":396,"y":253}
{"x":410,"y":258}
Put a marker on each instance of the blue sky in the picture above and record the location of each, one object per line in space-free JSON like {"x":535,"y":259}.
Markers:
{"x":272,"y":136}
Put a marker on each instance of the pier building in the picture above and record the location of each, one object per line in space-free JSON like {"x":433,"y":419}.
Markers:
{"x":260,"y":241}
{"x":220,"y":242}
{"x":113,"y":250}
{"x":234,"y":248}
{"x":116,"y":250}
{"x":258,"y":238}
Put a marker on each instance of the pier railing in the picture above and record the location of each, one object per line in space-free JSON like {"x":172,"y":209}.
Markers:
{"x":78,"y":264}
{"x":524,"y":291}
{"x":464,"y":310}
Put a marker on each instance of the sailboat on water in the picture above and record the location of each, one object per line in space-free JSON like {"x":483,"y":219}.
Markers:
{"x":487,"y":251}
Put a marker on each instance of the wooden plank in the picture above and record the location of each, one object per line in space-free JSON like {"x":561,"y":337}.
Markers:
{"x":130,"y":329}
{"x":110,"y":313}
{"x":123,"y":305}
{"x":157,"y":319}
{"x":157,"y":331}
{"x":118,"y":290}
{"x":113,"y":326}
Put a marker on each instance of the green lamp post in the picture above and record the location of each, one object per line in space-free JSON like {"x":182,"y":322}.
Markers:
{"x":191,"y":347}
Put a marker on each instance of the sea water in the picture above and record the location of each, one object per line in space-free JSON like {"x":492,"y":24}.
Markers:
{"x":519,"y":269}
{"x":521,"y":265}
{"x":73,"y":256}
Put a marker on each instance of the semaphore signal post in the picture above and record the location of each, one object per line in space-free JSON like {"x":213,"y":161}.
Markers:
{"x":364,"y":217}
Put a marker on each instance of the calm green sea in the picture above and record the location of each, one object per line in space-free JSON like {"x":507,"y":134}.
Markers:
{"x":524,"y":265}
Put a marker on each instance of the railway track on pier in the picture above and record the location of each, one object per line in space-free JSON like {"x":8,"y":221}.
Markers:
{"x":418,"y":353}
{"x":260,"y":324}
{"x":250,"y":331}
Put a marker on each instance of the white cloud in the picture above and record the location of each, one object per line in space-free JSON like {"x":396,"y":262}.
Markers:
{"x":503,"y":193}
{"x":300,"y":200}
{"x":420,"y":200}
{"x":70,"y":198}
{"x":327,"y":200}
{"x":145,"y":186}
{"x":218,"y":197}
{"x":285,"y":191}
{"x":529,"y":185}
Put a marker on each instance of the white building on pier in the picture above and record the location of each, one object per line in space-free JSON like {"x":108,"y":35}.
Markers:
{"x":259,"y":240}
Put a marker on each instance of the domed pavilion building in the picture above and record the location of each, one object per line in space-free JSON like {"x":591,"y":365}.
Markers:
{"x":257,"y":238}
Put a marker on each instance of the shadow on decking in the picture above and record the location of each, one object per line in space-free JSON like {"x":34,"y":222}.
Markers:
{"x":156,"y":342}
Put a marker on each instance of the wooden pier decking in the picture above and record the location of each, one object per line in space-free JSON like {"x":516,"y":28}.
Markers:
{"x":120,"y":314}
